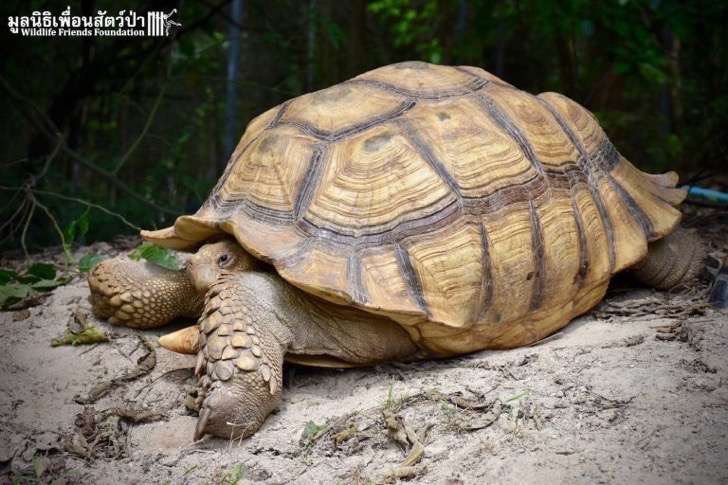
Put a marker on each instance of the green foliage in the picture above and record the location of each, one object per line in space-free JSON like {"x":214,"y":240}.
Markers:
{"x":87,"y":262}
{"x":155,"y":254}
{"x":653,"y":71}
{"x":6,"y":276}
{"x":392,"y":403}
{"x":38,"y":277}
{"x":332,"y":30}
{"x":234,"y":475}
{"x":411,"y":25}
{"x":40,"y":271}
{"x":389,"y":403}
{"x":311,"y":430}
{"x":78,"y":228}
{"x":87,"y":336}
{"x":12,"y":293}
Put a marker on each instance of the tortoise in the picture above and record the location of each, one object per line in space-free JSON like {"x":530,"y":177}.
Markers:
{"x":415,"y":211}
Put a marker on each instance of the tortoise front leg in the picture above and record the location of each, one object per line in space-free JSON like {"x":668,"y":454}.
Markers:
{"x":251,"y":322}
{"x":240,"y":360}
{"x":140,"y":294}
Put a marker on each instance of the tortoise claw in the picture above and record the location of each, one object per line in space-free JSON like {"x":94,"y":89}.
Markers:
{"x":184,"y":341}
{"x":199,"y":366}
{"x":202,"y":423}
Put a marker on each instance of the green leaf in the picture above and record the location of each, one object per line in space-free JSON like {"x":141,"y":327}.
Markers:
{"x":653,"y":73}
{"x":78,"y":228}
{"x":6,"y":276}
{"x":82,"y":224}
{"x":311,"y":430}
{"x":12,"y":292}
{"x":89,"y":335}
{"x":45,"y":284}
{"x":87,"y":263}
{"x":154,"y":254}
{"x":234,"y":475}
{"x":42,"y":271}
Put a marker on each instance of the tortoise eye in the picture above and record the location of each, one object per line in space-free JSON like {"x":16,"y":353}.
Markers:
{"x":223,"y":259}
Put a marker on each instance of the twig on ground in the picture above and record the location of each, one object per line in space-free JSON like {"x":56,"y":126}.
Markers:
{"x":145,"y":364}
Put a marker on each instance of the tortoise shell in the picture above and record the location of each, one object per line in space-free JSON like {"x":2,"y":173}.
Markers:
{"x":474,"y":214}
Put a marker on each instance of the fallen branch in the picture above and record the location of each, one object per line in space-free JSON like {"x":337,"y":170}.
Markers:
{"x":145,"y":365}
{"x":404,"y":436}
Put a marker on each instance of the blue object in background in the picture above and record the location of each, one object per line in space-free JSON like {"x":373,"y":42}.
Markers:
{"x":710,"y":195}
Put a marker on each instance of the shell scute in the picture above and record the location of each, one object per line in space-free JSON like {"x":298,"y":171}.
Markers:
{"x":440,"y":196}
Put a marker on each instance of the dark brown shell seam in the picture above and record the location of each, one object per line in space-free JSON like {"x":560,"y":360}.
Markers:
{"x":532,"y":193}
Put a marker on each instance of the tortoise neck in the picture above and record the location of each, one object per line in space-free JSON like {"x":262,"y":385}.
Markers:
{"x":321,"y":328}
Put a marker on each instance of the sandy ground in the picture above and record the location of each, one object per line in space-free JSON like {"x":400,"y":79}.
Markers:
{"x":634,"y":392}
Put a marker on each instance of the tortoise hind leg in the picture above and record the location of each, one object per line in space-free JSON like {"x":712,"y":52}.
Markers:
{"x":673,"y":260}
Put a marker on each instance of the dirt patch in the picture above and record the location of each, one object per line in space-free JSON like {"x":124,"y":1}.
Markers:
{"x":634,"y":392}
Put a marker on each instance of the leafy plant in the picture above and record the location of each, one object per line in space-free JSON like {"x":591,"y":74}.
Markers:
{"x":87,"y":336}
{"x":40,"y":271}
{"x":392,"y":403}
{"x":234,"y":475}
{"x":653,"y":70}
{"x":155,"y":254}
{"x":310,"y":431}
{"x":38,"y":277}
{"x":12,"y":293}
{"x":87,"y":262}
{"x":75,"y":231}
{"x":412,"y":25}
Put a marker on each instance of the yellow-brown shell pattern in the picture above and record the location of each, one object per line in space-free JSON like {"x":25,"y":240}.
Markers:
{"x":473,"y":213}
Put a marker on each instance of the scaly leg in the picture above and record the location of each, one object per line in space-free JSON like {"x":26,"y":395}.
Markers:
{"x":673,"y":260}
{"x":140,"y":294}
{"x":251,"y":321}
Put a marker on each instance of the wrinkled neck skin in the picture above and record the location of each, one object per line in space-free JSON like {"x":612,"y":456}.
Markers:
{"x":315,"y":330}
{"x":310,"y":326}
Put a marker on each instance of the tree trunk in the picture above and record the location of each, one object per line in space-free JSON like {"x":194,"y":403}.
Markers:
{"x":231,"y":91}
{"x":567,"y":69}
{"x":357,"y":33}
{"x":500,"y":48}
{"x":311,"y":44}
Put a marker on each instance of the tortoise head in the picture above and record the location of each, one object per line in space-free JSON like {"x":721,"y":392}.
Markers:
{"x":206,"y":265}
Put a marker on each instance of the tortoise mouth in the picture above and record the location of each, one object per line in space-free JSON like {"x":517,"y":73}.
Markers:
{"x":202,"y":276}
